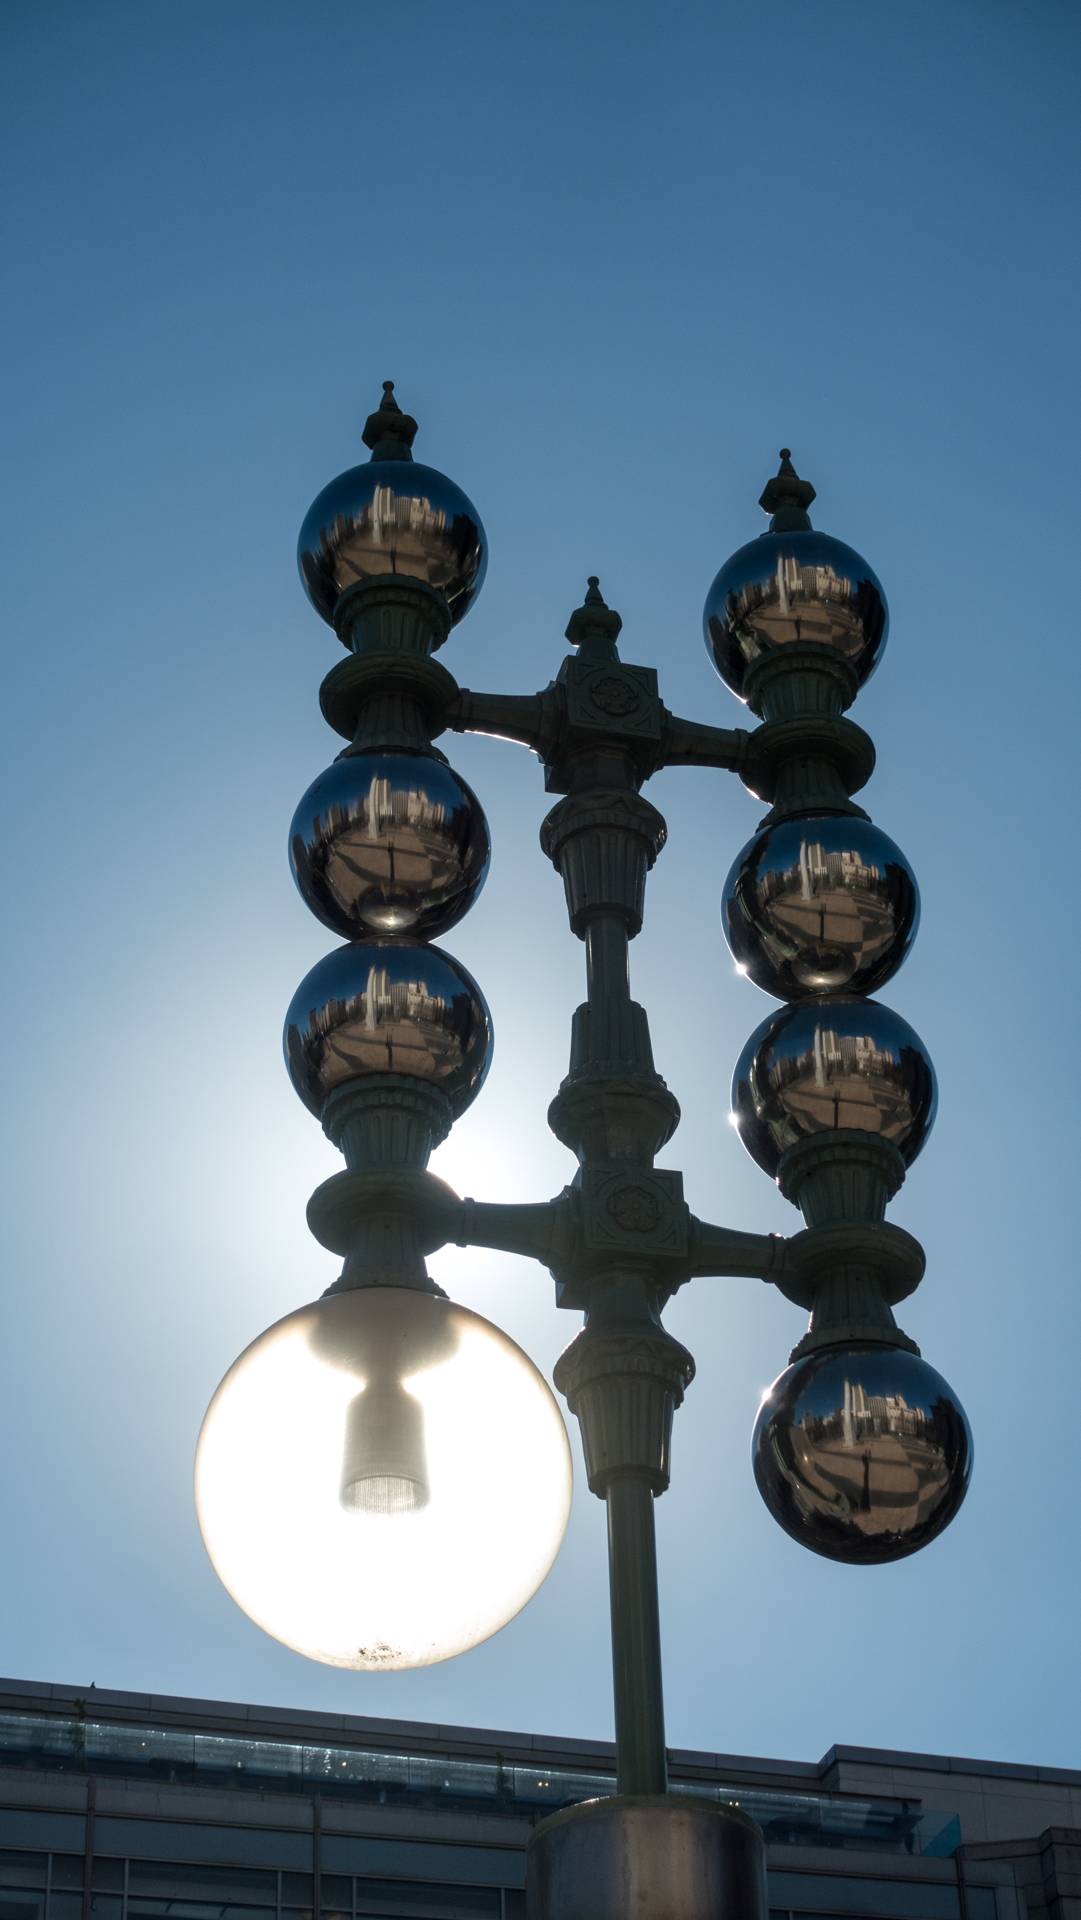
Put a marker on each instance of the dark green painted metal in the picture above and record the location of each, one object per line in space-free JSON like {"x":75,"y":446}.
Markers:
{"x":636,"y":1638}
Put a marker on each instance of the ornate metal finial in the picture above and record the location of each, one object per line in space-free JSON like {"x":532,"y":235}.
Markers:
{"x":389,"y":432}
{"x":787,"y":498}
{"x":594,"y":627}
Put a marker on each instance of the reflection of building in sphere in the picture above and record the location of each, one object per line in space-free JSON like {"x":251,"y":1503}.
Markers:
{"x":788,"y":588}
{"x":819,"y":906}
{"x":388,"y":1007}
{"x":831,"y":1063}
{"x":862,"y":1453}
{"x":392,"y":517}
{"x":845,"y":1081}
{"x":392,"y":1027}
{"x":389,"y":843}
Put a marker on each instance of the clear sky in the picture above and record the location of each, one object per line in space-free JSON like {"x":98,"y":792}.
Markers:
{"x":615,"y":255}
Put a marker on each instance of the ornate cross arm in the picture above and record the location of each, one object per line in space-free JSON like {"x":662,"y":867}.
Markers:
{"x":541,"y":721}
{"x":384,"y":1220}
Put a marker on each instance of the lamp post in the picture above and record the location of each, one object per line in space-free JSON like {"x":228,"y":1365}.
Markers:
{"x":383,"y":1478}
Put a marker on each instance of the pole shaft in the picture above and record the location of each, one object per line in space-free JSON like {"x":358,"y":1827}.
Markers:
{"x":636,"y":1638}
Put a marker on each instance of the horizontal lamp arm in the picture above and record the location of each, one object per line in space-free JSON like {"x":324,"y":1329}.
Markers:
{"x":723,"y":1252}
{"x":544,"y":1231}
{"x":531,"y":718}
{"x":687,"y":743}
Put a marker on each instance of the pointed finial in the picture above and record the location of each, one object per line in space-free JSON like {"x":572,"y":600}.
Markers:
{"x":787,"y":498}
{"x":594,"y":626}
{"x":389,"y":432}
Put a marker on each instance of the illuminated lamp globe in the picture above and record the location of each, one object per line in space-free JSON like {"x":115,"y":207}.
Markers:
{"x":862,"y":1453}
{"x":382,"y":1479}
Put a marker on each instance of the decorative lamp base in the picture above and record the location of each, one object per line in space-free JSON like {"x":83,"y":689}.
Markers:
{"x":647,"y":1857}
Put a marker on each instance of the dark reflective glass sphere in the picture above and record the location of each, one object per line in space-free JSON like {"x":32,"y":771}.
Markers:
{"x":388,"y":1006}
{"x":392,"y":516}
{"x":389,"y":843}
{"x":821,"y":905}
{"x":862,"y":1453}
{"x":789,"y":587}
{"x":834,"y":1062}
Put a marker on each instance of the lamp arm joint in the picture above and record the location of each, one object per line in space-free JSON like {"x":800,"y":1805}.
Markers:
{"x":532,"y":719}
{"x":689,"y":743}
{"x":541,"y":1231}
{"x":724,"y":1252}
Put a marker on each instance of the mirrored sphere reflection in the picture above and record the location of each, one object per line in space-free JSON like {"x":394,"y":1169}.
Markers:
{"x":834,"y":1062}
{"x":862,"y":1453}
{"x":388,"y":1006}
{"x":820,"y":905}
{"x":789,"y":587}
{"x":389,"y":843}
{"x":382,"y":1479}
{"x":392,"y":516}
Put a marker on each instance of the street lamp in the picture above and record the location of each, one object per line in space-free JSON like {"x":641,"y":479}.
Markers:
{"x":383,"y":1478}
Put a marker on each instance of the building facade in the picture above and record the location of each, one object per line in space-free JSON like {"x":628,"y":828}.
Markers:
{"x":125,"y":1806}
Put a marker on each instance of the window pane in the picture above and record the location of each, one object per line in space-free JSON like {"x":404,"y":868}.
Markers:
{"x":65,"y":1906}
{"x":168,"y":1881}
{"x":515,"y":1907}
{"x":177,"y":1840}
{"x":981,"y":1903}
{"x":108,"y":1875}
{"x":21,"y":1906}
{"x":247,"y":1763}
{"x":196,"y":1910}
{"x":23,"y":1869}
{"x":106,"y":1906}
{"x":64,"y":1830}
{"x":426,"y":1902}
{"x":68,"y":1870}
{"x":163,"y":1754}
{"x":296,"y":1889}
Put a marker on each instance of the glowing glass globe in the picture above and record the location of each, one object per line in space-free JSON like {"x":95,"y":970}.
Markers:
{"x":382,"y":1479}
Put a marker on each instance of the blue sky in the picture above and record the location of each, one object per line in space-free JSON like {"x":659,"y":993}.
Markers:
{"x":614,"y":257}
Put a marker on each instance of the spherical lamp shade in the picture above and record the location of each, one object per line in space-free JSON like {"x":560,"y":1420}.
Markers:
{"x":382,"y":1479}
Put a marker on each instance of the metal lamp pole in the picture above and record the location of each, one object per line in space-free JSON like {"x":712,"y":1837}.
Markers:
{"x":834,"y":1095}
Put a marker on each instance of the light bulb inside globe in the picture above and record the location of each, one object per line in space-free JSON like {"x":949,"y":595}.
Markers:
{"x":384,"y":1466}
{"x":383,"y":1479}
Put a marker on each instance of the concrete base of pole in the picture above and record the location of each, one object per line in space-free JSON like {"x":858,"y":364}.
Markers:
{"x":647,"y":1857}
